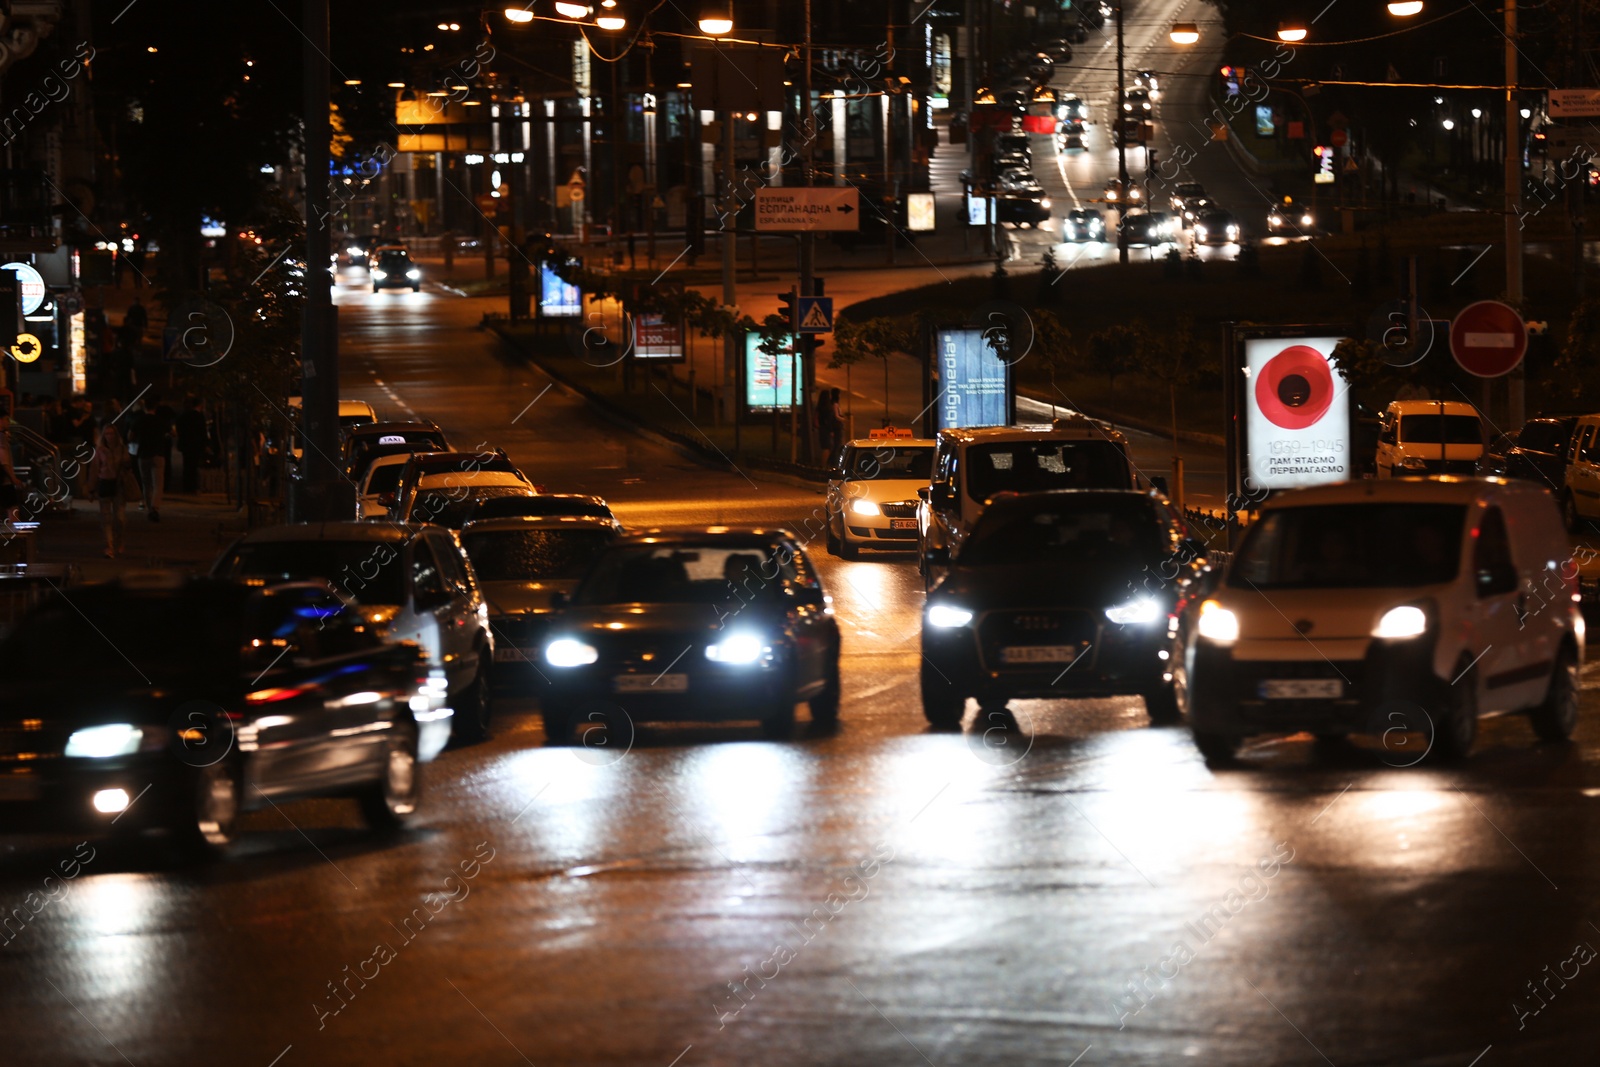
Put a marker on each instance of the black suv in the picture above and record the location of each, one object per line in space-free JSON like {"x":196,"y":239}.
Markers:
{"x":1071,"y":593}
{"x":1537,"y":452}
{"x":392,"y":267}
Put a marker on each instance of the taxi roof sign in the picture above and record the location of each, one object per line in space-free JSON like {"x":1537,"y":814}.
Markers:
{"x":889,"y":432}
{"x":392,"y":439}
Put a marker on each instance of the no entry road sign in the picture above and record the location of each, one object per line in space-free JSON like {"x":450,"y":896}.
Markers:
{"x":1488,"y":339}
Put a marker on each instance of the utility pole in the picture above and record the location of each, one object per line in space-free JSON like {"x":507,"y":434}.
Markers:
{"x":317,"y":496}
{"x":1119,"y":131}
{"x":808,"y":240}
{"x":730,"y":354}
{"x":1516,"y":399}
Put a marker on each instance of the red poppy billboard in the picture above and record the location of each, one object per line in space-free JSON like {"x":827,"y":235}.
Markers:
{"x":1297,"y":413}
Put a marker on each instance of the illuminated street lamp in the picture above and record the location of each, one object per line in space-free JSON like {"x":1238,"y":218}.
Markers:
{"x":570,"y":10}
{"x":1405,"y":8}
{"x":717,"y":19}
{"x":518,"y":14}
{"x":1185,"y":33}
{"x":1291,"y":32}
{"x":611,"y":22}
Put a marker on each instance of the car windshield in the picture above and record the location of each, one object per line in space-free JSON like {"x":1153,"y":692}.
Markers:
{"x":888,"y":461}
{"x":450,"y":507}
{"x":1437,"y":429}
{"x":686,"y":574}
{"x":1031,"y":466}
{"x":1096,"y":531}
{"x":532,"y":555}
{"x":369,"y":572}
{"x":1351,"y":546}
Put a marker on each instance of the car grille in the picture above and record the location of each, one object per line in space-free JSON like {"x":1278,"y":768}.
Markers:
{"x":900,"y":509}
{"x":1010,"y":629}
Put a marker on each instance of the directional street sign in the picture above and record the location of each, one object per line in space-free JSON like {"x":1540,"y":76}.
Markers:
{"x":1574,"y":103}
{"x":1488,"y":339}
{"x":816,"y":314}
{"x":802,"y":210}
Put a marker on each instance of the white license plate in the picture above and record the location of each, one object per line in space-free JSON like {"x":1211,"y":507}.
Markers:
{"x":1038,"y":654}
{"x":16,"y":787}
{"x":651,"y":683}
{"x":902,"y":524}
{"x":1301,"y":689}
{"x":511,"y":655}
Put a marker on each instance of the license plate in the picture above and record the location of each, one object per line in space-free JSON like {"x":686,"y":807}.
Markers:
{"x":510,"y":655}
{"x":902,"y":524}
{"x":1301,"y":689}
{"x":16,"y":787}
{"x":1038,"y":654}
{"x":650,"y":683}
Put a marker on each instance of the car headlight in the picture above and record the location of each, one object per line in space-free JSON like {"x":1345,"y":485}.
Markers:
{"x":1233,"y":231}
{"x":1127,"y":106}
{"x":864,"y":507}
{"x":1306,"y":220}
{"x":945,"y":616}
{"x":1134,"y":612}
{"x":413,"y":274}
{"x":1217,"y":623}
{"x":103,"y":742}
{"x":1044,"y":202}
{"x":1407,"y":620}
{"x":380,"y":275}
{"x":566,"y":652}
{"x":1200,"y":232}
{"x":739,"y":648}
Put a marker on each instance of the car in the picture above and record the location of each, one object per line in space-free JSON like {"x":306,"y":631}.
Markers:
{"x":382,"y":478}
{"x":1165,"y":226}
{"x":1290,"y":218}
{"x":351,"y":413}
{"x":392,"y":267}
{"x":1132,"y":195}
{"x":544,"y":505}
{"x":1424,"y":437}
{"x":214,"y":699}
{"x":1083,"y":224}
{"x":522,"y":563}
{"x":1184,"y":194}
{"x":871,"y":499}
{"x":1022,"y":210}
{"x":1537,"y":452}
{"x":1015,"y":182}
{"x":1136,"y":102}
{"x":1011,"y":158}
{"x":1073,"y":109}
{"x":1131,"y":131}
{"x":1070,"y":135}
{"x":1142,"y":229}
{"x":362,"y":443}
{"x":1078,"y":34}
{"x":358,"y":250}
{"x":1146,"y":80}
{"x":425,"y":464}
{"x":447,"y":499}
{"x":701,"y":625}
{"x":409,"y":584}
{"x":1580,"y":500}
{"x":1216,"y":227}
{"x":1069,"y":593}
{"x":972,"y":466}
{"x":1387,"y":608}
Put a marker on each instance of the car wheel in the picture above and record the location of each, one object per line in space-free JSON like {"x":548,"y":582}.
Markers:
{"x":1556,"y":718}
{"x":1217,"y":748}
{"x":389,"y":802}
{"x":208,"y":829}
{"x":472,"y":713}
{"x":825,"y":705}
{"x":847,"y":550}
{"x":557,"y":723}
{"x":1457,"y":726}
{"x":1162,"y":706}
{"x":778,"y":723}
{"x":942,"y":705}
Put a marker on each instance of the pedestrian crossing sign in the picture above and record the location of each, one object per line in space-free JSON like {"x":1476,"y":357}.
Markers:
{"x":816,"y":314}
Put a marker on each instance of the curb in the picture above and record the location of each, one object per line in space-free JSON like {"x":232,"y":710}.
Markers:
{"x":797,"y":476}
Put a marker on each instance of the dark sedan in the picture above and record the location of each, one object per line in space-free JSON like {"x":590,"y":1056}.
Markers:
{"x":1083,"y":224}
{"x":176,"y":705}
{"x":697,"y":625}
{"x":1067,"y":594}
{"x":1216,"y":227}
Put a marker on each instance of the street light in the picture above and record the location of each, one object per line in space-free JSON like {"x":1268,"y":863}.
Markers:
{"x":1405,"y":8}
{"x":717,"y":19}
{"x":611,"y":22}
{"x":518,"y":14}
{"x":1291,"y":32}
{"x":1185,"y":33}
{"x":570,"y":10}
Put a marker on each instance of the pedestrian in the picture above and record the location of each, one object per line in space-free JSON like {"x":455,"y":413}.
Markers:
{"x":151,"y":436}
{"x":192,"y":442}
{"x":836,"y":417}
{"x":10,"y":485}
{"x":134,"y":320}
{"x":111,"y":467}
{"x":828,"y":421}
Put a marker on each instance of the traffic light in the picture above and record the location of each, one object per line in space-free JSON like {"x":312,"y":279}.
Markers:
{"x":789,"y":309}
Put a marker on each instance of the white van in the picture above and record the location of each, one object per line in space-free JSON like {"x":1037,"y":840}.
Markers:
{"x":1422,"y":437}
{"x":1406,"y":606}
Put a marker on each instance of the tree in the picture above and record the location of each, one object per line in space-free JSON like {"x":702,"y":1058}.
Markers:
{"x":1172,"y":363}
{"x":1117,"y":349}
{"x":875,"y":338}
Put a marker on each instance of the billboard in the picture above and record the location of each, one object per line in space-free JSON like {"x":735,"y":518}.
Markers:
{"x":557,"y":299}
{"x":974,"y":383}
{"x":656,"y":337}
{"x":769,"y":380}
{"x":1297,"y":413}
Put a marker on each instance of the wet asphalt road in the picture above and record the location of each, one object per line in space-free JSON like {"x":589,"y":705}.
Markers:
{"x":878,"y":895}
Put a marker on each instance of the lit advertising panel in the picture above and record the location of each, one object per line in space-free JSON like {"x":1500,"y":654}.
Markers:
{"x":1297,"y":413}
{"x":769,"y":380}
{"x":974,"y":384}
{"x":557,"y":299}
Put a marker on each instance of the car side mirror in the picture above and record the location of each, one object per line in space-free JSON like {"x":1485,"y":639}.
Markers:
{"x":937,"y":557}
{"x":922,"y":494}
{"x":388,"y":500}
{"x":1159,"y":484}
